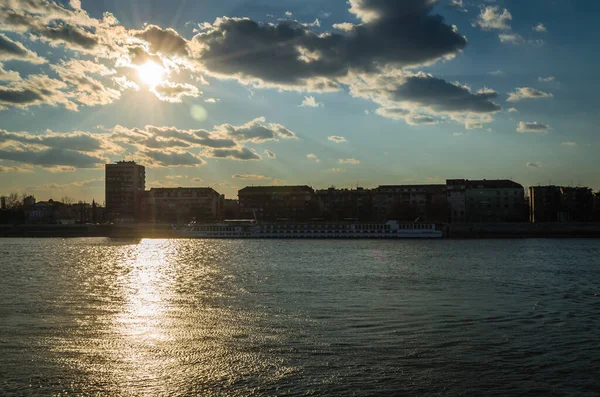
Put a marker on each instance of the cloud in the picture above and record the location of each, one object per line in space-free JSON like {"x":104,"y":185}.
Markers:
{"x":243,"y":154}
{"x":35,"y":90}
{"x":537,"y":164}
{"x":511,"y":38}
{"x":337,"y":170}
{"x":210,"y":100}
{"x":270,"y":154}
{"x":251,"y":177}
{"x":532,"y":127}
{"x":513,"y":110}
{"x":349,"y":161}
{"x":291,"y":56}
{"x":170,"y":158}
{"x":256,"y":130}
{"x":527,"y":93}
{"x":6,"y":169}
{"x":569,"y":144}
{"x":458,"y":5}
{"x":85,"y":89}
{"x":8,"y":75}
{"x":312,"y":156}
{"x":197,"y":180}
{"x":496,"y":73}
{"x":421,"y":97}
{"x":174,"y":92}
{"x":546,"y":79}
{"x":492,"y":18}
{"x":79,"y":141}
{"x":163,"y":41}
{"x":337,"y":139}
{"x":13,"y":50}
{"x":540,"y":28}
{"x":52,"y":157}
{"x":288,"y":14}
{"x":310,"y":101}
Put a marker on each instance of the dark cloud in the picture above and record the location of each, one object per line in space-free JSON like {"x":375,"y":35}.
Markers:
{"x":13,"y":50}
{"x":52,"y":157}
{"x":35,"y":90}
{"x":164,"y":41}
{"x":72,"y":36}
{"x":236,"y":154}
{"x":442,"y":96}
{"x":83,"y":142}
{"x":393,"y":34}
{"x":167,"y":159}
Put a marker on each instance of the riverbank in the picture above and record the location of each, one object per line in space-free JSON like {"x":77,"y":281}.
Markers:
{"x":452,"y":231}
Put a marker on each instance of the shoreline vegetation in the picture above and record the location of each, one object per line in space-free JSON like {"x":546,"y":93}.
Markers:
{"x":452,"y":231}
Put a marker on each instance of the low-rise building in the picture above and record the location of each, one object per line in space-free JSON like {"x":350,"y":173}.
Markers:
{"x":44,"y":212}
{"x":410,"y":203}
{"x":339,"y":204}
{"x":561,"y":204}
{"x":270,"y":203}
{"x":182,"y":205}
{"x":499,"y":200}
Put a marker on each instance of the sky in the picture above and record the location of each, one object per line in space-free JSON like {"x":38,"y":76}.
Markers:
{"x":233,"y":93}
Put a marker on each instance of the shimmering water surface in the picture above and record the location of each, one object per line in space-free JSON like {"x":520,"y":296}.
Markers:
{"x":347,"y":318}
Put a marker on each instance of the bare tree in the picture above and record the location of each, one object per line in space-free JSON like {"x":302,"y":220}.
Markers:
{"x":14,"y":201}
{"x":67,"y":200}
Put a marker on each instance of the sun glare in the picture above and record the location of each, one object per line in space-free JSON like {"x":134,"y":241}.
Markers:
{"x":151,"y":73}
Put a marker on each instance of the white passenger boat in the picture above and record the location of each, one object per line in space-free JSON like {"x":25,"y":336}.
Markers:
{"x":320,"y":230}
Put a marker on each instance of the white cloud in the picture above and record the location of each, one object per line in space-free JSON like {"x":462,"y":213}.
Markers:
{"x":540,"y":28}
{"x":496,"y":73}
{"x":349,"y":161}
{"x":513,"y":110}
{"x":527,"y":93}
{"x":337,"y":139}
{"x":492,"y":18}
{"x":312,"y":156}
{"x":337,"y":170}
{"x":251,"y":177}
{"x":546,"y":79}
{"x":569,"y":144}
{"x":310,"y":101}
{"x":536,"y":164}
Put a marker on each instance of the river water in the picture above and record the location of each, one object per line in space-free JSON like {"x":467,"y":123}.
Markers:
{"x":299,"y":318}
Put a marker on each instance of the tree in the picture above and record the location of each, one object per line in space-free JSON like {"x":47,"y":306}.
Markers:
{"x":67,"y":200}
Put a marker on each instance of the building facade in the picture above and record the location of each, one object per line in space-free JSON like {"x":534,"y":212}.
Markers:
{"x":270,"y":203}
{"x":340,"y":204}
{"x":494,"y":201}
{"x":125,"y":183}
{"x":457,"y":204}
{"x":183,"y":205}
{"x":561,"y":204}
{"x":410,"y":203}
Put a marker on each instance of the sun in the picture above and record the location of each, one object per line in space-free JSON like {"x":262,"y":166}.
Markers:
{"x":151,"y":73}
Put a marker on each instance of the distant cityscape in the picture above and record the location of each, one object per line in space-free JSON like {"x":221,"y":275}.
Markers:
{"x":457,"y":201}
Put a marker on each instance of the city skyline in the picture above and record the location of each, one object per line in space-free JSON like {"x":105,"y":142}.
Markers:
{"x":300,"y":93}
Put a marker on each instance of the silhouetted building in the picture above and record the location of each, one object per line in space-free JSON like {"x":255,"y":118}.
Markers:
{"x":44,"y":212}
{"x":28,"y":201}
{"x":410,"y":203}
{"x":561,"y":204}
{"x":596,"y":215}
{"x":232,"y":209}
{"x":339,"y":204}
{"x":183,"y":205}
{"x":278,"y":202}
{"x":457,"y":201}
{"x":125,"y":185}
{"x":494,"y":201}
{"x":2,"y":203}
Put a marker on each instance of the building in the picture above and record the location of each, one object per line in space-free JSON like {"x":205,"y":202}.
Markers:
{"x":125,"y":185}
{"x":597,"y":207}
{"x":270,"y":203}
{"x":339,"y":204}
{"x":494,"y":201}
{"x":560,"y":204}
{"x":182,"y":205}
{"x":232,"y":209}
{"x":410,"y":203}
{"x":44,"y":212}
{"x":457,"y":204}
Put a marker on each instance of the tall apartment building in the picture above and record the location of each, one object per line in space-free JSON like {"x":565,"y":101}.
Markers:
{"x":560,"y":204}
{"x":182,"y":205}
{"x":125,"y":183}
